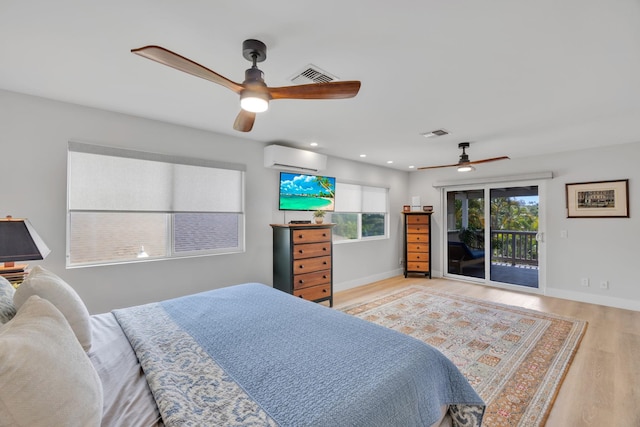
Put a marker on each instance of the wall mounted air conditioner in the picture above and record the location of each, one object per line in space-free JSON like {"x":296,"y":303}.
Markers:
{"x":280,"y":157}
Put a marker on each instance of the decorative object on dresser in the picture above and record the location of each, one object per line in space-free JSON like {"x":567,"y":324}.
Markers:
{"x":19,"y":242}
{"x":319,"y":216}
{"x":302,"y":260}
{"x":417,"y":243}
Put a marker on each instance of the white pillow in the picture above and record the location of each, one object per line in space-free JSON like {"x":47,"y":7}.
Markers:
{"x":7,"y":308}
{"x":47,"y":285}
{"x":47,"y":379}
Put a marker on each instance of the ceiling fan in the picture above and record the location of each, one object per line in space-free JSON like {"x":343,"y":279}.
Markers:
{"x":254,"y":93}
{"x":464,"y":164}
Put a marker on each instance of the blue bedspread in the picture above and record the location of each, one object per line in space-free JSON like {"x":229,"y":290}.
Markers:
{"x":252,"y":355}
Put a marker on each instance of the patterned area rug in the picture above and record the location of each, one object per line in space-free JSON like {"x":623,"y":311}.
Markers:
{"x":514,"y":358}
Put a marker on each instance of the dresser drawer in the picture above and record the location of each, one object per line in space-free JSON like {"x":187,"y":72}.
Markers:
{"x":314,"y":293}
{"x":311,"y":235}
{"x":417,"y":256}
{"x":418,"y":247}
{"x":418,"y":219}
{"x":310,"y":250}
{"x":418,"y":266}
{"x":418,"y":228}
{"x":418,"y":238}
{"x":309,"y":265}
{"x":301,"y":281}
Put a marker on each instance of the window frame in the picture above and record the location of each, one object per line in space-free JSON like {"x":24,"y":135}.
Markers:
{"x":236,"y":171}
{"x":356,"y":209}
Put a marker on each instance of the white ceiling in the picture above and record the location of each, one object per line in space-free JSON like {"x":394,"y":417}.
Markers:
{"x":516,"y":78}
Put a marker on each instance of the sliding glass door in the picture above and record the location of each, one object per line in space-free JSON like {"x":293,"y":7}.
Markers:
{"x":494,"y":235}
{"x":514,"y":235}
{"x":465,"y":232}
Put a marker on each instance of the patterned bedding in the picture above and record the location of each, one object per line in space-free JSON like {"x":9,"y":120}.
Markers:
{"x":249,"y":355}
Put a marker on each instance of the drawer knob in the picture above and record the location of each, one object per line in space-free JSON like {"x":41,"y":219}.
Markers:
{"x":324,"y":276}
{"x":301,"y":266}
{"x":324,"y":234}
{"x":324,"y":262}
{"x":300,"y":251}
{"x":301,"y":281}
{"x":324,"y":290}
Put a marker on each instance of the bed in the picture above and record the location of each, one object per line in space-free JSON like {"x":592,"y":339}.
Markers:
{"x":244,"y":355}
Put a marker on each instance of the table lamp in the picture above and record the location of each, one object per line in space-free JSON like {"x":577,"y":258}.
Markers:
{"x":19,"y":242}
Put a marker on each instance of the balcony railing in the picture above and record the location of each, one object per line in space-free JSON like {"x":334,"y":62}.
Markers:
{"x":514,"y":247}
{"x":508,"y":246}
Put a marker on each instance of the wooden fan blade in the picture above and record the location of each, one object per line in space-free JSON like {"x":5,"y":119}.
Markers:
{"x":331,"y":90}
{"x":493,"y":159}
{"x":179,"y":62}
{"x":437,"y":167}
{"x":244,"y":121}
{"x":475,"y":162}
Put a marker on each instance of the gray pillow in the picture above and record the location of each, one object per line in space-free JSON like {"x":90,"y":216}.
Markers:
{"x":7,"y":308}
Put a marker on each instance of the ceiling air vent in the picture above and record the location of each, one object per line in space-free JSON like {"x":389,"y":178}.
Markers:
{"x":435,"y":133}
{"x":312,"y":74}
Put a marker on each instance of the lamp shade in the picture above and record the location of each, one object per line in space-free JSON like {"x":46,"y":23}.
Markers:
{"x":20,"y":242}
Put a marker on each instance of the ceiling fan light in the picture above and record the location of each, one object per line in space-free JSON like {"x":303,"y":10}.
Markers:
{"x":466,"y":168}
{"x":254,"y":103}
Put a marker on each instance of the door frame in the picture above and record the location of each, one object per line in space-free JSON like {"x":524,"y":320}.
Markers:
{"x":486,"y":187}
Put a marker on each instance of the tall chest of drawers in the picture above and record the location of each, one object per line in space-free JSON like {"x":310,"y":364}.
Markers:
{"x":302,"y":260}
{"x":417,"y":243}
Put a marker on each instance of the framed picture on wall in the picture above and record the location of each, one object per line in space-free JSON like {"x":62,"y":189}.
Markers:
{"x":601,"y":199}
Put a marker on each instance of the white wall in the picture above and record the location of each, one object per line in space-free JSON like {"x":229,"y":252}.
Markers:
{"x":597,"y":248}
{"x":33,"y":149}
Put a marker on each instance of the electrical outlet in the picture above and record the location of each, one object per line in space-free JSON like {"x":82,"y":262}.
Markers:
{"x":584,"y":281}
{"x":400,"y":262}
{"x":604,"y":284}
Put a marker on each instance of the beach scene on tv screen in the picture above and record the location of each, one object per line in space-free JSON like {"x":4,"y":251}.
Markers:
{"x":301,"y":192}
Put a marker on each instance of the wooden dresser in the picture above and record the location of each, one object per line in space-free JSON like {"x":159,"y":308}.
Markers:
{"x":302,"y":260}
{"x":417,"y":243}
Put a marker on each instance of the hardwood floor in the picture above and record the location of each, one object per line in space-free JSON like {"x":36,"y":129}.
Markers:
{"x":602,"y":387}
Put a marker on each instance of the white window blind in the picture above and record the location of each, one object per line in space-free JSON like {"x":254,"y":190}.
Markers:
{"x":111,"y":179}
{"x":348,"y":197}
{"x":360,"y":198}
{"x":374,"y":199}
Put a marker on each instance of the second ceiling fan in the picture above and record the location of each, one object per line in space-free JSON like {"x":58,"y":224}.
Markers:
{"x":464,"y":164}
{"x":254,"y":93}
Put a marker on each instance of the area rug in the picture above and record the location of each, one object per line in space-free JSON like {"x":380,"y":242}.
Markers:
{"x":515,"y":358}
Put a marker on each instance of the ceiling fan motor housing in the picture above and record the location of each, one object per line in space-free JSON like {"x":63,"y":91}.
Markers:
{"x":254,"y":50}
{"x":464,"y":157}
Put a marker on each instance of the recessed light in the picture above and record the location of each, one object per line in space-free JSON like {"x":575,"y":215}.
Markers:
{"x":411,"y":167}
{"x":389,"y":162}
{"x":314,"y":144}
{"x":363,"y":155}
{"x":434,"y":133}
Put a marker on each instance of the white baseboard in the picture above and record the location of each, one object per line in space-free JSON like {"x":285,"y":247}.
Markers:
{"x":551,"y":292}
{"x":593,"y":299}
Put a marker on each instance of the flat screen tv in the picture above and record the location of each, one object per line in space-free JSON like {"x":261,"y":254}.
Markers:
{"x":302,"y":192}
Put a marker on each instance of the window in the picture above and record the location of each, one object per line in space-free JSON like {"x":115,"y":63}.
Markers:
{"x":126,"y":206}
{"x":361,"y":212}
